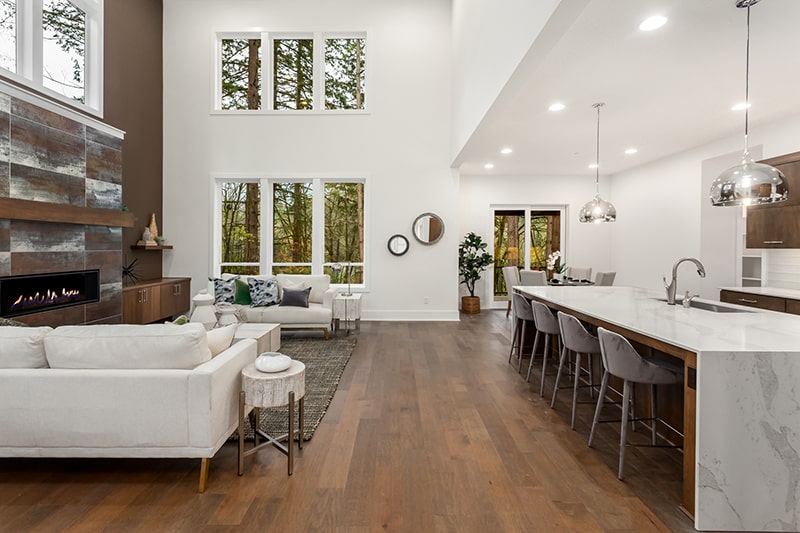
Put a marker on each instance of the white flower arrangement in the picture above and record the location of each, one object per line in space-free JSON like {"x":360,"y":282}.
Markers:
{"x":553,"y":259}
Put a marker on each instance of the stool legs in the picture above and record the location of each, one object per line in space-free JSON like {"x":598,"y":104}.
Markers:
{"x":533,"y":352}
{"x":601,"y":397}
{"x":575,"y":384}
{"x":623,"y":434}
{"x":561,"y":361}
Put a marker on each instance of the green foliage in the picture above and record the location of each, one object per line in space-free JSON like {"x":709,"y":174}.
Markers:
{"x":293,"y":79}
{"x":65,"y":24}
{"x":344,"y":73}
{"x":241,"y":74}
{"x":473,"y":259}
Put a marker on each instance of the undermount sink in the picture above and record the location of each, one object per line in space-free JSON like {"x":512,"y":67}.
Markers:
{"x":709,"y":306}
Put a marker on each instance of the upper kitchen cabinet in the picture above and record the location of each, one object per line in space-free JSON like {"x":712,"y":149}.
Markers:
{"x":778,"y":225}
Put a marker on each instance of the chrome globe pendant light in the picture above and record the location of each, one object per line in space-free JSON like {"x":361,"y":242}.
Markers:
{"x":748,"y":183}
{"x":597,"y":210}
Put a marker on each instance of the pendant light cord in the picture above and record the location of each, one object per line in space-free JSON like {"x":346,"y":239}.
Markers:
{"x":747,"y":84}
{"x":597,"y":153}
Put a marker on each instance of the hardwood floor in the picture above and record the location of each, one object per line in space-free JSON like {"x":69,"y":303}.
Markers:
{"x":430,"y":430}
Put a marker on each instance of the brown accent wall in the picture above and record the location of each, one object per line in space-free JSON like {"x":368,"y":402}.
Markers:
{"x":133,"y":103}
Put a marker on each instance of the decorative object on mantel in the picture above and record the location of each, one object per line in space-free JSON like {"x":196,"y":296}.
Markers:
{"x":153,"y":227}
{"x":147,"y":238}
{"x":748,"y":183}
{"x":597,"y":210}
{"x":473,"y":259}
{"x":129,"y":275}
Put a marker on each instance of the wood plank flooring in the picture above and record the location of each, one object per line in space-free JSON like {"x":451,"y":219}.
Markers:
{"x":430,"y":430}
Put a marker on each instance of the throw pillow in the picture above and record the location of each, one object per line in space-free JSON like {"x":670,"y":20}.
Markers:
{"x":241,"y":294}
{"x":219,"y":339}
{"x":263,"y":292}
{"x":224,"y":289}
{"x":295,"y":298}
{"x":9,"y":322}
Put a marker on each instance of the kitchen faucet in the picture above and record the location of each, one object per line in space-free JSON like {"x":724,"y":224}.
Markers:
{"x":673,"y":285}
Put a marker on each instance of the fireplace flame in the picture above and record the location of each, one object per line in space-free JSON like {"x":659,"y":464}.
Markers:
{"x":50,"y":297}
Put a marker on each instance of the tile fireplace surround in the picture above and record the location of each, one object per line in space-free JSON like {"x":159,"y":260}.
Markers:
{"x":72,"y":166}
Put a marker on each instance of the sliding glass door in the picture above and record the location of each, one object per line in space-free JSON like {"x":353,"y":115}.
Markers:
{"x":523,"y":237}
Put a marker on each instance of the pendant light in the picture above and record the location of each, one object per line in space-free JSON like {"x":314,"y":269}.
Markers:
{"x":597,"y":210}
{"x":748,"y":183}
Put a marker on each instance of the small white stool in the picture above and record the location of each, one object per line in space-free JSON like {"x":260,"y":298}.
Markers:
{"x":261,"y":390}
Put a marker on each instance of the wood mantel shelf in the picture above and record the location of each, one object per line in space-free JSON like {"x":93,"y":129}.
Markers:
{"x":17,"y":209}
{"x":144,"y":247}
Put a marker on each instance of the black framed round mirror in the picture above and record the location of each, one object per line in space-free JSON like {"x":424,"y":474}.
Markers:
{"x":398,"y":244}
{"x":428,"y":228}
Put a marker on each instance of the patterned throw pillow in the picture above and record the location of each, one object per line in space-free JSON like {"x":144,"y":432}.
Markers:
{"x":263,"y":292}
{"x":242,"y":292}
{"x":224,"y":289}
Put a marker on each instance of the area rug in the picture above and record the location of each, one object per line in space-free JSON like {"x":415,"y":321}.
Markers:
{"x":325,"y":361}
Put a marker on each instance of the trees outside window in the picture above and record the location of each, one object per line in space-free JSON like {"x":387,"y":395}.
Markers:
{"x":67,"y":62}
{"x":290,"y":61}
{"x":316,"y":226}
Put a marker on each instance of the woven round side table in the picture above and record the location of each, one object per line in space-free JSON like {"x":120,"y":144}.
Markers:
{"x":261,"y":390}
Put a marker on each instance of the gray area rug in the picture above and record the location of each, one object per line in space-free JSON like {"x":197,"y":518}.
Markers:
{"x":325,"y":361}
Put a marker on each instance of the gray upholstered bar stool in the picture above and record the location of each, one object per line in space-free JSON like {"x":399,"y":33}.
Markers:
{"x":547,"y":326}
{"x":622,"y":360}
{"x":522,"y":313}
{"x":575,"y":338}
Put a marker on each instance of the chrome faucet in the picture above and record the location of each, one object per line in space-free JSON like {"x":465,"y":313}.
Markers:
{"x":672,"y":287}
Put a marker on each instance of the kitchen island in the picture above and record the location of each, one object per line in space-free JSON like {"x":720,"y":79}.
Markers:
{"x":741,"y":398}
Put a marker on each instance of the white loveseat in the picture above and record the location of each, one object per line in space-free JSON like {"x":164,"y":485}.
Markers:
{"x":118,"y":391}
{"x":317,"y":316}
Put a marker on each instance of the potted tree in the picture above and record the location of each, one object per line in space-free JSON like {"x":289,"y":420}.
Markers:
{"x":473,"y":259}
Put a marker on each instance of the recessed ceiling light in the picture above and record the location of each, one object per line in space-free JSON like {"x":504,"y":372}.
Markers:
{"x":631,"y":150}
{"x":488,"y":165}
{"x":740,"y":106}
{"x":594,"y":165}
{"x":558,"y":106}
{"x":506,"y":151}
{"x":653,"y":23}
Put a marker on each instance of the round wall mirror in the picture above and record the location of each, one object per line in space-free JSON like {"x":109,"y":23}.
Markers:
{"x":398,"y":244}
{"x":428,"y":228}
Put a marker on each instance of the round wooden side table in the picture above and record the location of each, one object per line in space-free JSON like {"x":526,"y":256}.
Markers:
{"x":261,"y":390}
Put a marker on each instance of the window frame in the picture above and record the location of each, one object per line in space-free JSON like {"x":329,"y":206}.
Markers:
{"x":267,"y":66}
{"x":30,"y":54}
{"x":266,"y":181}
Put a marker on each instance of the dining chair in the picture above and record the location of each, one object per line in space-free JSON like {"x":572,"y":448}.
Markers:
{"x":511,"y":277}
{"x":604,"y":278}
{"x":533,"y":277}
{"x":579,"y":272}
{"x":621,"y":359}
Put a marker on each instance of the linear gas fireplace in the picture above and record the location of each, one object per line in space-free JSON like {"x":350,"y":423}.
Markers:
{"x":21,"y":295}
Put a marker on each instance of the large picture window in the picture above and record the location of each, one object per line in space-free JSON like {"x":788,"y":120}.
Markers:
{"x":291,"y":72}
{"x":311,"y":226}
{"x":55,"y":46}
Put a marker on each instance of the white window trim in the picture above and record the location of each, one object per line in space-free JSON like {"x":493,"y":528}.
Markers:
{"x":267,"y":181}
{"x":29,"y":60}
{"x":267,"y":60}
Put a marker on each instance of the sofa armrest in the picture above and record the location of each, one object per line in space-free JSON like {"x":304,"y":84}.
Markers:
{"x":327,"y":297}
{"x":214,"y":393}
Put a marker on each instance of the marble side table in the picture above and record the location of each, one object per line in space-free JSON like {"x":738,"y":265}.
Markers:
{"x":261,"y":390}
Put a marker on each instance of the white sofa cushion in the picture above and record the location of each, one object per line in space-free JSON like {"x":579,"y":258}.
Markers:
{"x":314,"y":314}
{"x":23,"y":347}
{"x":318,"y":283}
{"x":127,"y":346}
{"x":219,"y":339}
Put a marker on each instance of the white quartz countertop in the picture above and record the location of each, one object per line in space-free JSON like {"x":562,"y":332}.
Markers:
{"x":766,"y":291}
{"x":697,"y":330}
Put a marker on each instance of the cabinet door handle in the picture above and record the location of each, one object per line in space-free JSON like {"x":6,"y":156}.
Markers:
{"x":773,"y":242}
{"x":745,"y":300}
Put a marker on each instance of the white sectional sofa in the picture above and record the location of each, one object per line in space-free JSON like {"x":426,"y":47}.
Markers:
{"x":119,"y":391}
{"x":318,"y":315}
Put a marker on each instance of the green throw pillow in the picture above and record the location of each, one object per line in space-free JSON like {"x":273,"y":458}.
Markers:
{"x":241,"y":294}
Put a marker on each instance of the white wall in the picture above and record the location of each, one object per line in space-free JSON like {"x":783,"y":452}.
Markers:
{"x":490,"y":38}
{"x":660,"y":206}
{"x":583,"y":245}
{"x":402,"y":145}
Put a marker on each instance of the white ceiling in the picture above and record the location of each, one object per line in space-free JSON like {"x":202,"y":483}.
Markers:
{"x":665,"y":91}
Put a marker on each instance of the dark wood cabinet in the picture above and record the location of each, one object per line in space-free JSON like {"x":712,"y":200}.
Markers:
{"x":770,"y":303}
{"x":155,"y":300}
{"x":778,"y":225}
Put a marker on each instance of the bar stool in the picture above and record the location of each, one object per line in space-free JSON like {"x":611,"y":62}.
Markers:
{"x":575,"y":338}
{"x":524,"y":313}
{"x":547,"y":325}
{"x":620,"y":359}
